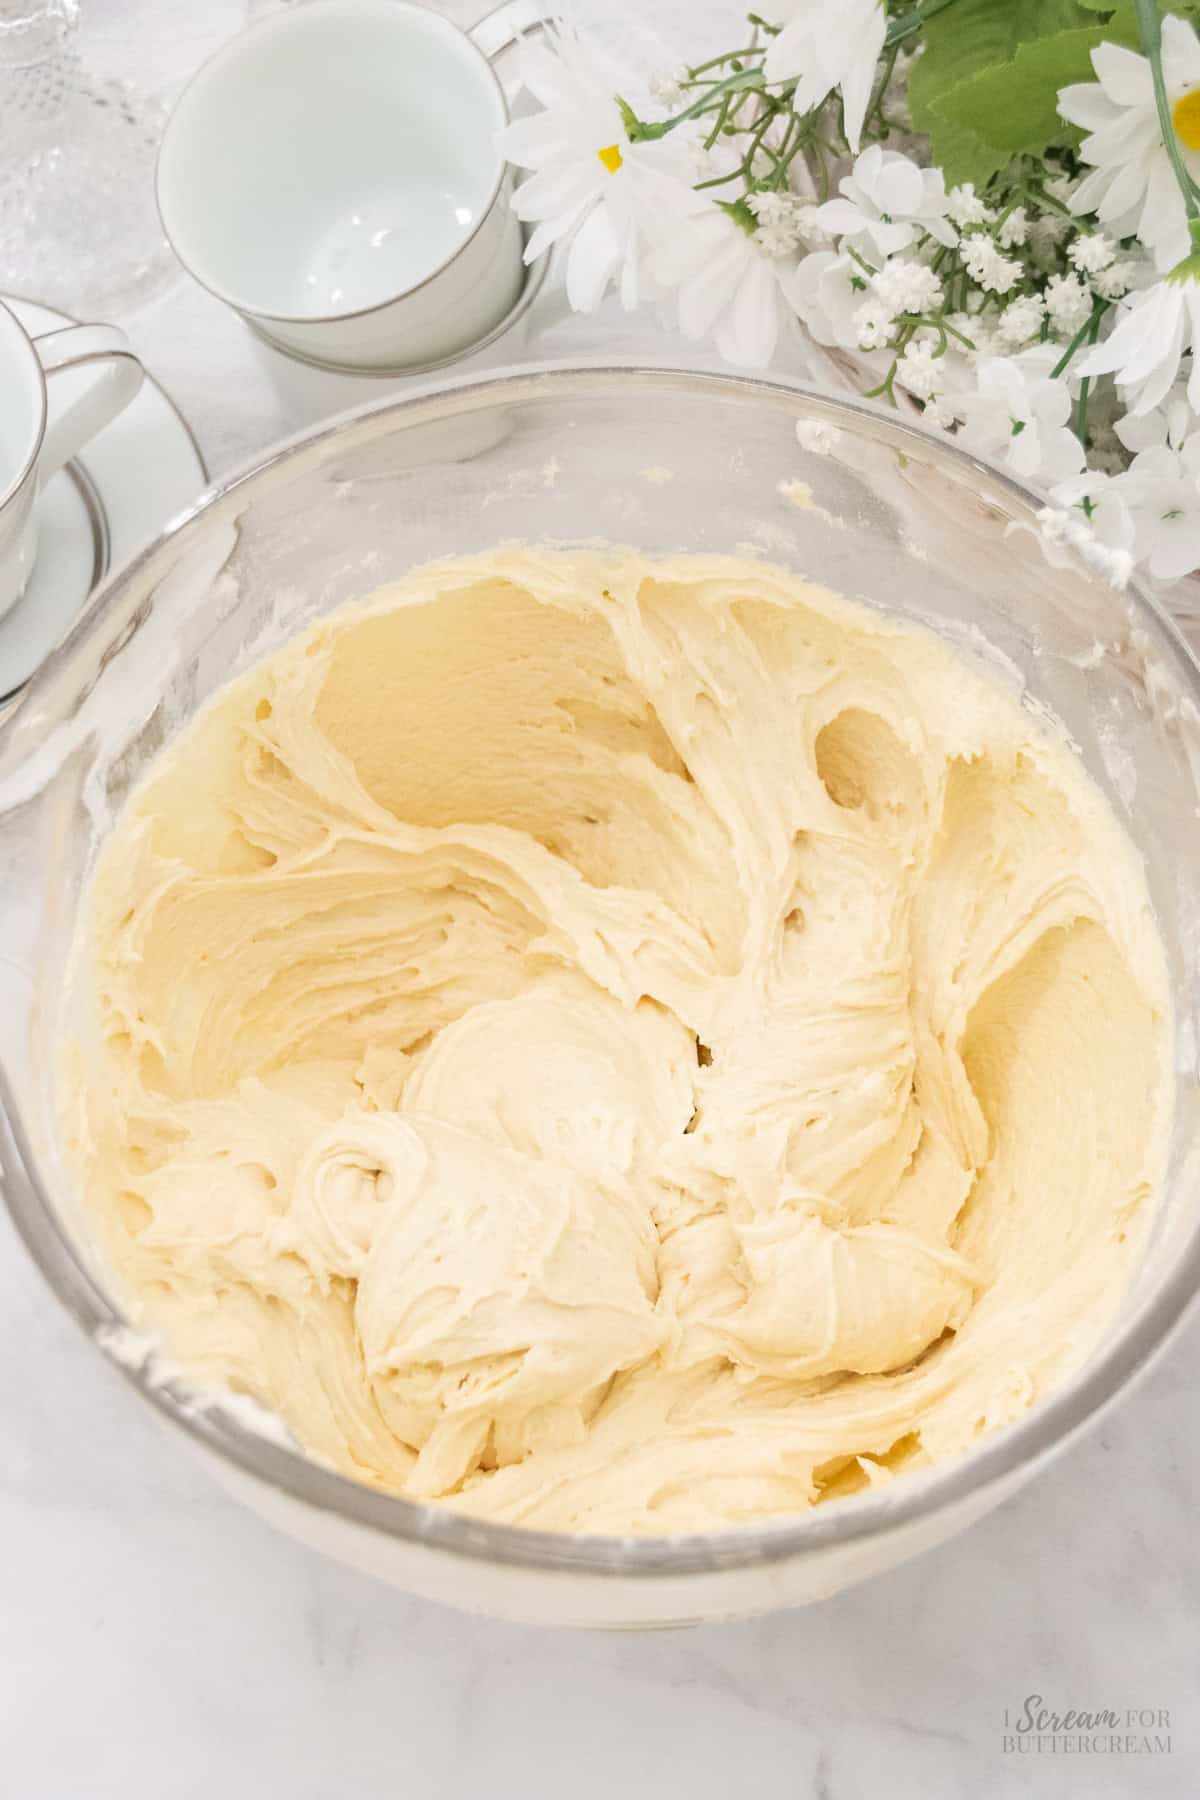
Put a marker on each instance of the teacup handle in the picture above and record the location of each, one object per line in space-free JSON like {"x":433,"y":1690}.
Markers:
{"x":80,"y":413}
{"x":507,"y":24}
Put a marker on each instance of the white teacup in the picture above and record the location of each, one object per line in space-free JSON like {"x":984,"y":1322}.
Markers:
{"x":56,"y":392}
{"x":333,"y":174}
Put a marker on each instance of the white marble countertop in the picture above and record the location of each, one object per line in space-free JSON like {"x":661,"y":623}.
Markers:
{"x":159,"y":1643}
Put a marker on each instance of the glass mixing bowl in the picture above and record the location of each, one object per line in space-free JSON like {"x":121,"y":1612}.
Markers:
{"x":666,"y":459}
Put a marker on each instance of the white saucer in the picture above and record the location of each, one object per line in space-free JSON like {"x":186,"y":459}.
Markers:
{"x":94,"y":514}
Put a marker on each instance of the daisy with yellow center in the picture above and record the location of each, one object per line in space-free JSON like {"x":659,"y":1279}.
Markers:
{"x":1131,"y":184}
{"x":605,"y":198}
{"x":1185,"y":116}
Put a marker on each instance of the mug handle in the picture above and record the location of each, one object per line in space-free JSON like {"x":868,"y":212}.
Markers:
{"x":79,"y":414}
{"x":507,"y":24}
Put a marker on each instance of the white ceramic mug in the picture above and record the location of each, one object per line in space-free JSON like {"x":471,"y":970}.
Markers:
{"x":333,"y":174}
{"x":56,"y":392}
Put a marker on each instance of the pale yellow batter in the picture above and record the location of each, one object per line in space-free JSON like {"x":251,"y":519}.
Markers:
{"x":623,"y":1046}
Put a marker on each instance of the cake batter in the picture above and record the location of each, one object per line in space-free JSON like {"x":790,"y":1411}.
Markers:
{"x":622,"y":1045}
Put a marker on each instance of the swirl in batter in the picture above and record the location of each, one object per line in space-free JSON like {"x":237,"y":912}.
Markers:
{"x":621,"y":1045}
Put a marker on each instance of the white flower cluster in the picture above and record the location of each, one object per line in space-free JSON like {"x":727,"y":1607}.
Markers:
{"x":1148,"y":513}
{"x":988,"y":268}
{"x":1052,"y":316}
{"x":1071,"y":527}
{"x":781,"y":217}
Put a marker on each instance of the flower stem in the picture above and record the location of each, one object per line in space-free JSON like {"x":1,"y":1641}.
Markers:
{"x":1081,"y":410}
{"x":789,"y":149}
{"x":642,"y":130}
{"x":1150,"y":32}
{"x":715,"y":181}
{"x":1035,"y":192}
{"x":1086,"y":334}
{"x":760,"y":132}
{"x":864,"y":265}
{"x":1085,"y":384}
{"x":722,"y":115}
{"x":714,"y":62}
{"x":904,"y":27}
{"x":946,"y":328}
{"x":875,"y":109}
{"x":886,"y":389}
{"x":823,"y":172}
{"x":744,"y":80}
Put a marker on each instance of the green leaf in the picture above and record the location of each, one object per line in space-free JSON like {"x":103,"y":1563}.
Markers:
{"x":981,"y":123}
{"x":985,"y":87}
{"x":973,"y":35}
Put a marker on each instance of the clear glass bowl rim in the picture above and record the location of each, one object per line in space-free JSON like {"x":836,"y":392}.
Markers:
{"x":1014,"y":1452}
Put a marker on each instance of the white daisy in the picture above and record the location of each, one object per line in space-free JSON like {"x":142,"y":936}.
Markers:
{"x":726,"y":285}
{"x":1144,"y":351}
{"x":886,"y":201}
{"x":1020,"y":416}
{"x":830,"y":44}
{"x":591,"y":185}
{"x":1132,"y":186}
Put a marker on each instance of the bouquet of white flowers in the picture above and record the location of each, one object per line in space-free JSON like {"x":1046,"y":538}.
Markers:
{"x":991,"y":205}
